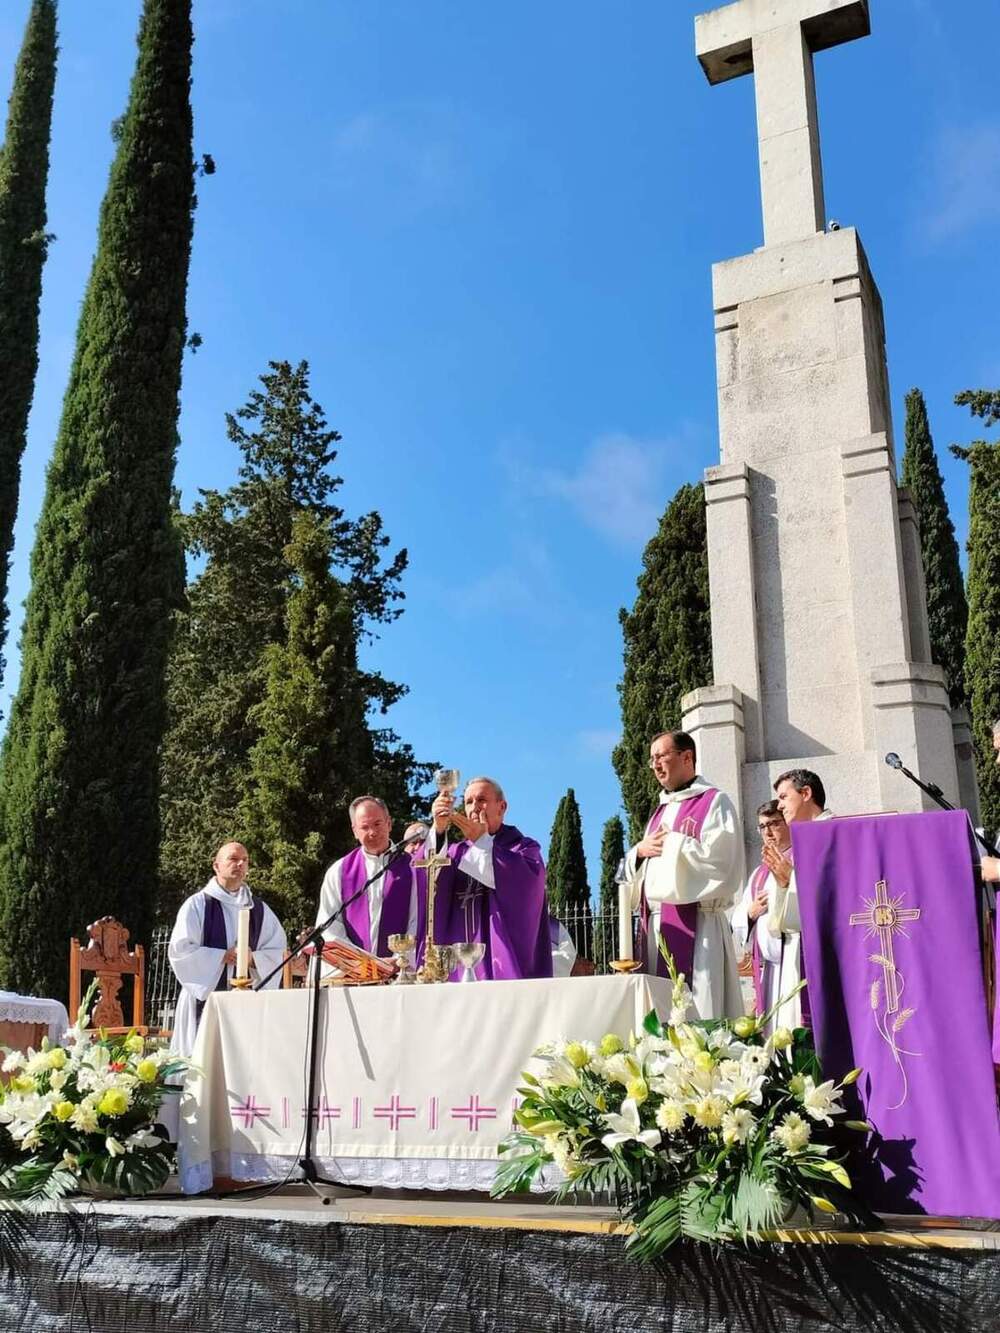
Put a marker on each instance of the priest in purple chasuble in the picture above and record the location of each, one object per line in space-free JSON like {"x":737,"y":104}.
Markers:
{"x":764,"y":952}
{"x":202,"y":949}
{"x":389,"y":906}
{"x":685,"y":875}
{"x":493,"y":890}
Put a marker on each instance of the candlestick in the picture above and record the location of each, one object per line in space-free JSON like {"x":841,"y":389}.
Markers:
{"x":243,"y":942}
{"x":624,"y":920}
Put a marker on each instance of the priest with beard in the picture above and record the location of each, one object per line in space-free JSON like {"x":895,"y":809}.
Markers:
{"x":493,"y":889}
{"x":684,"y":875}
{"x":202,"y":949}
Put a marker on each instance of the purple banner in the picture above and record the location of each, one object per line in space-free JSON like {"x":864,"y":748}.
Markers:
{"x":891,"y":944}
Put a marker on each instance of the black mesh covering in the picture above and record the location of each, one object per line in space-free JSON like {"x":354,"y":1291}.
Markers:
{"x":109,"y":1272}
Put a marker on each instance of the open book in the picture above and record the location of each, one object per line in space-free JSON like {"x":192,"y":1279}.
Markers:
{"x":357,"y":967}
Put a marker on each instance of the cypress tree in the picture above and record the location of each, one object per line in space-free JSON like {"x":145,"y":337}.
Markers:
{"x":982,"y":661}
{"x":667,"y":645}
{"x":220,"y":666}
{"x":313,"y":742}
{"x":566,"y":874}
{"x":24,"y":170}
{"x":612,"y":852}
{"x":80,"y":768}
{"x":947,"y":612}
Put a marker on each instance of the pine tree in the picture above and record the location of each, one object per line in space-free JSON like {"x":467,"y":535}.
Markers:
{"x":947,"y":613}
{"x":80,"y":768}
{"x":230,"y":641}
{"x":24,"y":170}
{"x":612,"y":852}
{"x":566,"y":874}
{"x":982,"y":661}
{"x":313,"y":740}
{"x":667,"y":645}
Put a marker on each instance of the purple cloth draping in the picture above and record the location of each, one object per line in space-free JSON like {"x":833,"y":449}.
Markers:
{"x":891,"y":946}
{"x":511,"y":919}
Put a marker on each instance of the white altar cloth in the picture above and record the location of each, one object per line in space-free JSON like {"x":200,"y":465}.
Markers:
{"x":416,"y":1086}
{"x":33,"y":1009}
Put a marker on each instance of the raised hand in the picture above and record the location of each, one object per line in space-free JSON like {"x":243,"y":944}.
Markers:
{"x":651,"y":845}
{"x":778,"y":866}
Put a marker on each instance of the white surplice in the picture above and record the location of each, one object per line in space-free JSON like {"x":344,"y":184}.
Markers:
{"x":198,"y":968}
{"x":331,"y":898}
{"x":702,"y":871}
{"x":769,"y":946}
{"x":783,"y":926}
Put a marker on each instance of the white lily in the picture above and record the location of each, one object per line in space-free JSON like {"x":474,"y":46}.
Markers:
{"x":627,"y":1127}
{"x":114,"y":1147}
{"x":820,"y":1103}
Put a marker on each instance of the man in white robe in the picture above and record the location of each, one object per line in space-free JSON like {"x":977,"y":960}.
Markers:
{"x":684,"y":876}
{"x":390,"y":903}
{"x":200,"y":967}
{"x":764,"y":957}
{"x":801,"y":798}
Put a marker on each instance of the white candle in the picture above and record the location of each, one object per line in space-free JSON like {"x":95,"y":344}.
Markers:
{"x":243,"y":942}
{"x":625,"y":921}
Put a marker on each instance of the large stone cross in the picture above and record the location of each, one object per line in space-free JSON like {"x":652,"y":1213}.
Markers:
{"x":775,"y":40}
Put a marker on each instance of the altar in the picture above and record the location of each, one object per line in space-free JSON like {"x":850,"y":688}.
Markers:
{"x":417,"y":1084}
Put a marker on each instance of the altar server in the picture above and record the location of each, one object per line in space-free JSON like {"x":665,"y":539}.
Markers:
{"x":493,"y":890}
{"x":684,"y":877}
{"x":773,"y":966}
{"x":389,"y":905}
{"x":202,"y":949}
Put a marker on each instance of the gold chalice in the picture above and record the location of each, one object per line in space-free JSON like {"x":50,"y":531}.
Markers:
{"x":402,"y":946}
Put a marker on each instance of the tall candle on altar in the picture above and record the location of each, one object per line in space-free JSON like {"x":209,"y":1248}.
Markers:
{"x":624,"y":921}
{"x":243,"y":942}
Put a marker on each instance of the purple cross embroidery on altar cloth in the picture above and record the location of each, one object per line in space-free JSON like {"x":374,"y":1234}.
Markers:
{"x":473,"y":1113}
{"x":323,"y":1111}
{"x":356,"y":1113}
{"x":432,"y":1113}
{"x":394,"y":1112}
{"x":250,"y":1112}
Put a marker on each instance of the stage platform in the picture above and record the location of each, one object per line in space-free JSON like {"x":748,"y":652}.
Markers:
{"x":285,"y":1261}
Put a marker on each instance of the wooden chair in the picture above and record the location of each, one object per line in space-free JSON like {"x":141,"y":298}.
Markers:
{"x":296,"y":970}
{"x":109,"y":957}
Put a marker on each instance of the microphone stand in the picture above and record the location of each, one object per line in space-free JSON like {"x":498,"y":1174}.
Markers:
{"x":310,"y":1172}
{"x":936,"y":795}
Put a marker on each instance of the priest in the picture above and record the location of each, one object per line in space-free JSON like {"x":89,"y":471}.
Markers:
{"x":202,"y":949}
{"x":684,"y":875}
{"x":493,"y":889}
{"x":773,"y":959}
{"x":389,"y":904}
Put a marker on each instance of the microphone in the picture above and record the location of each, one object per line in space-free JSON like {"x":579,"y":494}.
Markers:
{"x":893,"y":760}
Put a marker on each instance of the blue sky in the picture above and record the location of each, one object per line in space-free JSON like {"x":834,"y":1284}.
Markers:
{"x":490,"y":228}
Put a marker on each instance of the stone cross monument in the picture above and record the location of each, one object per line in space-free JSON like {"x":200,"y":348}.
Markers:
{"x":820,"y":647}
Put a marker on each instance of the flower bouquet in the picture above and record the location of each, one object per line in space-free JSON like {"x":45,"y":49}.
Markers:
{"x":706,"y":1131}
{"x":82,"y":1116}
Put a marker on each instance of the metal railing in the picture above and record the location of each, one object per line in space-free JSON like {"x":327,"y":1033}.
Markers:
{"x":162,"y":987}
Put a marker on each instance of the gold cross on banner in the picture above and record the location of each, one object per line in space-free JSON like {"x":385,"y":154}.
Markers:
{"x":884,"y":918}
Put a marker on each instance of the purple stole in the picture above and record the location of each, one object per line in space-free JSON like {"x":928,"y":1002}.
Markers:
{"x":759,"y":880}
{"x":677,"y":920}
{"x":397,"y":884}
{"x":214,"y":936}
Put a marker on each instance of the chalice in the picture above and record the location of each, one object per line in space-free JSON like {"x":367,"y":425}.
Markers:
{"x":402,"y":946}
{"x":469,"y":954}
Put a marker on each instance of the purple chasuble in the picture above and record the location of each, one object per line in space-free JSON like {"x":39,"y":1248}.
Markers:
{"x":677,"y":920}
{"x":890,"y":931}
{"x":214,"y":936}
{"x":397,"y":885}
{"x":512,"y":919}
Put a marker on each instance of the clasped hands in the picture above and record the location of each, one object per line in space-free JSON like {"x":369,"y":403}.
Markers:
{"x":779,"y":867}
{"x":443,"y":810}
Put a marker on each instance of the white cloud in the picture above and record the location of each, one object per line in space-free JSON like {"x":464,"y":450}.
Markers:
{"x":598,"y":741}
{"x":621,"y":486}
{"x":964,"y":187}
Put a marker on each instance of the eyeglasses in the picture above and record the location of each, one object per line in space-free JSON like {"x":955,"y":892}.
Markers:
{"x":667,"y":754}
{"x":771,"y":824}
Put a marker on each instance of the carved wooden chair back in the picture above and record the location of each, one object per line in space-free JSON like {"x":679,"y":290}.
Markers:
{"x":108,"y":956}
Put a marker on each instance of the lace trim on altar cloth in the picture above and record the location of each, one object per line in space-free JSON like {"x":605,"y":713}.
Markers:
{"x":31,"y":1009}
{"x":390,"y":1173}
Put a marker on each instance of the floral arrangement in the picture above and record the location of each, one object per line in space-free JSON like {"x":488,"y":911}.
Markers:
{"x":709,"y":1131}
{"x":81,"y":1116}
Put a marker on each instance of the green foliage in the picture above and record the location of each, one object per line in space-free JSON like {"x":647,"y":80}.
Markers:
{"x":667,"y":645}
{"x":79,"y":773}
{"x":566,"y":884}
{"x":313,"y":741}
{"x":24,"y":169}
{"x":947,"y":613}
{"x":247,"y":665}
{"x":982,"y":661}
{"x":612,"y":851}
